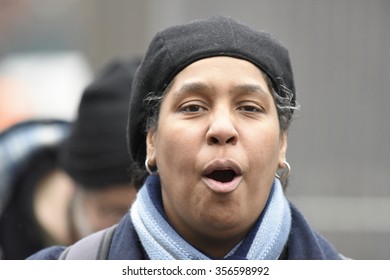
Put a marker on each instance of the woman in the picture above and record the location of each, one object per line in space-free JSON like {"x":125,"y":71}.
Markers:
{"x":209,"y":112}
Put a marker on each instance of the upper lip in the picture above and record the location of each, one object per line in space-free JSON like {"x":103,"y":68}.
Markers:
{"x":222,"y":164}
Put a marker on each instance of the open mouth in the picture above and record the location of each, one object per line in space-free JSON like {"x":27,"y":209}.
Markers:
{"x":223,"y":176}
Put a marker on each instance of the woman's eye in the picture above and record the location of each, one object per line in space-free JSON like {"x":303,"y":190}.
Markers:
{"x":250,"y":108}
{"x":192,"y":108}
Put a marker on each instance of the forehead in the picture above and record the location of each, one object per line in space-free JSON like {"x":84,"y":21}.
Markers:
{"x":215,"y":61}
{"x":223,"y":71}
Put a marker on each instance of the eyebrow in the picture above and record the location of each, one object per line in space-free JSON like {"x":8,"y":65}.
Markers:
{"x":250,"y":88}
{"x":203,"y":87}
{"x":193,"y":87}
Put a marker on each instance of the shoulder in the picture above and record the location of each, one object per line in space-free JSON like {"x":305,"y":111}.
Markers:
{"x":50,"y":253}
{"x":125,"y":244}
{"x":305,"y":243}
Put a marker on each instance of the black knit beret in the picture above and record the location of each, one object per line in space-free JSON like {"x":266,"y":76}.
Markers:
{"x":176,"y":47}
{"x":96,"y":154}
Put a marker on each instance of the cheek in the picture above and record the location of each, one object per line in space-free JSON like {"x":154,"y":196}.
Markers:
{"x":177,"y":147}
{"x":263,"y":152}
{"x":177,"y":150}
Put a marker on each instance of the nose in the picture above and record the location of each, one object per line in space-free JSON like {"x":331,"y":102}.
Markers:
{"x":222,"y":130}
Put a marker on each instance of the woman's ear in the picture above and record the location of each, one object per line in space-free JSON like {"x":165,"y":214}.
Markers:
{"x":150,"y":147}
{"x":282,"y":149}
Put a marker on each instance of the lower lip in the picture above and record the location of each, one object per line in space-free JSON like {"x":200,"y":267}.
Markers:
{"x":220,"y":187}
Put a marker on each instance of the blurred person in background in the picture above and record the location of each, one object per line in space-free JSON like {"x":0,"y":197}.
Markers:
{"x":95,"y":155}
{"x":31,"y":178}
{"x":78,"y":184}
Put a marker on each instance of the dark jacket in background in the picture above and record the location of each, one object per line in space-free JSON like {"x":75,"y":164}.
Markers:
{"x":28,"y":151}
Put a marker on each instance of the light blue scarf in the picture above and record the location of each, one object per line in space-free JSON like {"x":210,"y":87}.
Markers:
{"x":265,"y":241}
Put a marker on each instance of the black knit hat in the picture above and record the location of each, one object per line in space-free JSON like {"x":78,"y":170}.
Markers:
{"x":96,"y":154}
{"x":174,"y":48}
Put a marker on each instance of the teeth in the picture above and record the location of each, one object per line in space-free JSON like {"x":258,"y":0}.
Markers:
{"x":223,"y":176}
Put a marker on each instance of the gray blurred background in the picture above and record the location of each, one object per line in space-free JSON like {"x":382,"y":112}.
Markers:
{"x":339,"y":141}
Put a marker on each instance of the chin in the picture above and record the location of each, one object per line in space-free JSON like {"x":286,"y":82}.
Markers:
{"x":222,"y":221}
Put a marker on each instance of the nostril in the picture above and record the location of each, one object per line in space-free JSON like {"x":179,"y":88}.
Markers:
{"x":214,"y":140}
{"x":231,"y":140}
{"x":218,"y":140}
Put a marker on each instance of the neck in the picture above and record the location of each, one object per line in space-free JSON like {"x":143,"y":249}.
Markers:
{"x":217,"y":244}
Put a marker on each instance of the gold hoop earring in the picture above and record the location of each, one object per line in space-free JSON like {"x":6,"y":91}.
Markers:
{"x":150,"y":171}
{"x":283,"y":173}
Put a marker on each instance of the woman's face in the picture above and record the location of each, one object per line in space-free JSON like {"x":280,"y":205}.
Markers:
{"x":217,"y":146}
